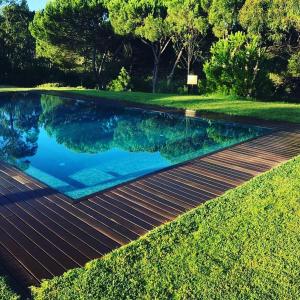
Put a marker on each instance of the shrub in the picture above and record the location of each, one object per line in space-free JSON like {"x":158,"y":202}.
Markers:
{"x":6,"y":292}
{"x":237,"y":66}
{"x":172,"y":87}
{"x":294,"y":65}
{"x":121,"y":83}
{"x":50,"y":85}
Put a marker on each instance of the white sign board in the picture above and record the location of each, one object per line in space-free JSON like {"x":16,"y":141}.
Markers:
{"x":192,"y":80}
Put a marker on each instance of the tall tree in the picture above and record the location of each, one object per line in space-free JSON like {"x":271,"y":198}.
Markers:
{"x":80,"y":28}
{"x":278,"y":21}
{"x":223,"y":15}
{"x":189,"y":25}
{"x":145,"y":19}
{"x":17,"y":50}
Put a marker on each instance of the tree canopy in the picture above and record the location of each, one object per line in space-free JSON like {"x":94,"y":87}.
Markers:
{"x":80,"y":29}
{"x":189,"y":27}
{"x":145,"y":20}
{"x":17,"y":49}
{"x":157,"y":42}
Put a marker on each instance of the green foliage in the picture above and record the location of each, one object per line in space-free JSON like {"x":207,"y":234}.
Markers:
{"x":189,"y":26}
{"x":243,"y":245}
{"x":294,"y":65}
{"x":16,"y":42}
{"x":278,"y":24}
{"x":50,"y":85}
{"x":145,"y":20}
{"x":223,"y":15}
{"x":121,"y":83}
{"x":276,"y":20}
{"x":74,"y":33}
{"x":5,"y":291}
{"x":60,"y":56}
{"x":237,"y":65}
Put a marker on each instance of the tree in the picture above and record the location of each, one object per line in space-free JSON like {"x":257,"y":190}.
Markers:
{"x":223,"y":15}
{"x":277,"y":21}
{"x":121,"y":83}
{"x":145,"y":19}
{"x":61,"y":57}
{"x":294,"y":65}
{"x":237,"y":65}
{"x":189,"y":26}
{"x":17,"y":50}
{"x":80,"y":28}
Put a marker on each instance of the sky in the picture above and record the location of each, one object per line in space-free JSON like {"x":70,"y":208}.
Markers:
{"x":36,"y":4}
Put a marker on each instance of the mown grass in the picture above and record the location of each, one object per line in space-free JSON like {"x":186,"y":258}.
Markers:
{"x":267,"y":110}
{"x":243,"y":245}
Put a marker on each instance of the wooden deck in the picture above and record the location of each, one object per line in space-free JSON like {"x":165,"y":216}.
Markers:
{"x":43,"y":234}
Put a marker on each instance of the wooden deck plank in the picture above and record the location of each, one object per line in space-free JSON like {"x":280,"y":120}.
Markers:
{"x":108,"y":237}
{"x":39,"y":236}
{"x":13,"y":266}
{"x":43,"y":233}
{"x":169,"y":205}
{"x":43,"y":215}
{"x":155,"y":204}
{"x":135,"y":208}
{"x":58,"y":205}
{"x":131,"y":222}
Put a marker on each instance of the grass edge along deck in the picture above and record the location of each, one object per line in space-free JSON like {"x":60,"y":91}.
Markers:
{"x":43,"y":234}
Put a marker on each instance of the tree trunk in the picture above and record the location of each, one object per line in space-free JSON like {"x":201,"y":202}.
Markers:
{"x":171,"y":75}
{"x":158,"y":49}
{"x":156,"y":54}
{"x":94,"y":60}
{"x":189,"y":60}
{"x":255,"y":73}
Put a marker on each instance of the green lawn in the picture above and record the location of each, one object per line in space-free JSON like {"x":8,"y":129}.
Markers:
{"x":277,"y":111}
{"x":243,"y":245}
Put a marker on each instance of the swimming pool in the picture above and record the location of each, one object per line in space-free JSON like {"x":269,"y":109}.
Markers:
{"x":82,"y":147}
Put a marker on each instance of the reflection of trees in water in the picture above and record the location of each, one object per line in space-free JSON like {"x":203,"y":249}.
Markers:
{"x":18,"y":128}
{"x":80,"y":126}
{"x":88,"y":127}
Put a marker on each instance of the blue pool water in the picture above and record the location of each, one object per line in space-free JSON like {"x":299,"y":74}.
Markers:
{"x":82,"y":147}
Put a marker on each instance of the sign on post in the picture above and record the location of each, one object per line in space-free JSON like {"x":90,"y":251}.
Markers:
{"x":192,"y":80}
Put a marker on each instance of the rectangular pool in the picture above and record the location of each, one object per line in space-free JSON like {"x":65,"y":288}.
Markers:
{"x":83,"y":147}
